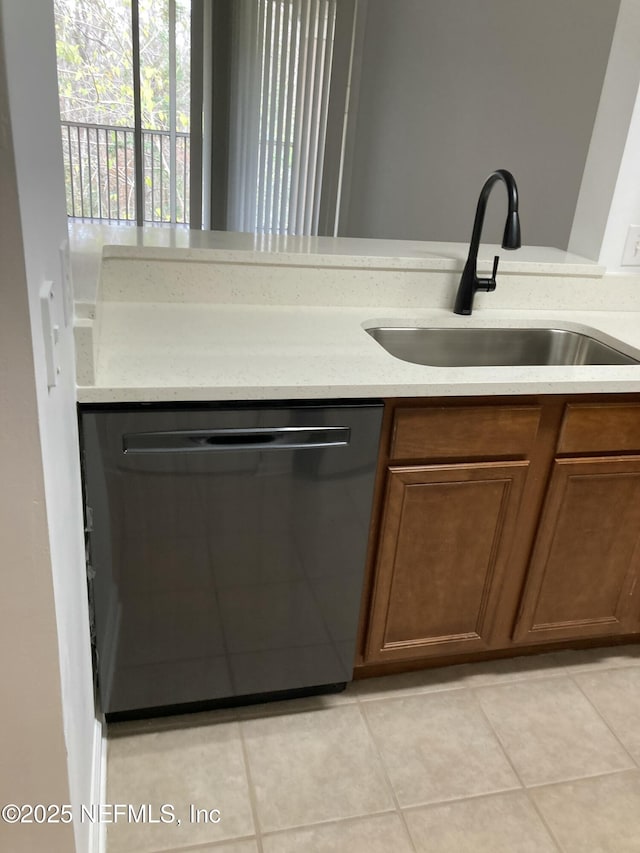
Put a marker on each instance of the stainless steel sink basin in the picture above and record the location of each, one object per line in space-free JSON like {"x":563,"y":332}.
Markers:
{"x":451,"y":347}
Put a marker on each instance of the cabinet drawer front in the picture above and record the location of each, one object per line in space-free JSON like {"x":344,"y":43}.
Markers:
{"x":600,"y":428}
{"x":496,"y":432}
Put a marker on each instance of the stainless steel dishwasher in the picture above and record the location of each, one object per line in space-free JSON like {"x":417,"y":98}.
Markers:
{"x":226,"y":549}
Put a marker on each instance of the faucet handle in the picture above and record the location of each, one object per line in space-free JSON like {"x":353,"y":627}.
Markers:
{"x":496,"y":258}
{"x":489,"y":284}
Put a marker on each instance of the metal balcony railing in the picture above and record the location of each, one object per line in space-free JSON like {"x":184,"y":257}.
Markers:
{"x":100,"y":173}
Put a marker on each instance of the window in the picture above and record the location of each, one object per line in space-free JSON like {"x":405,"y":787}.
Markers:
{"x":123,"y":72}
{"x":226,"y":114}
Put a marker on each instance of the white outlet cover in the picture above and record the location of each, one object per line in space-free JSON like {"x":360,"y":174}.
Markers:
{"x":631,"y":253}
{"x":67,"y":282}
{"x":49,"y":332}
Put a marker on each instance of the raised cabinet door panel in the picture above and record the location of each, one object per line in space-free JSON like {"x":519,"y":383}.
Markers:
{"x":445,"y":539}
{"x":586,"y":561}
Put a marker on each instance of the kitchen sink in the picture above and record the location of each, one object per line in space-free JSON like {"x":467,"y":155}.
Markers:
{"x":455,"y":347}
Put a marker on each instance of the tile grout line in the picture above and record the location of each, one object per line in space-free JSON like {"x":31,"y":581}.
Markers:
{"x":253,"y":797}
{"x":601,"y":775}
{"x":472,"y":682}
{"x":533,"y":802}
{"x":407,"y":693}
{"x":246,"y":712}
{"x":173,"y":723}
{"x":528,"y":789}
{"x":491,"y":795}
{"x":607,"y":725}
{"x":598,"y":666}
{"x":404,"y":691}
{"x":386,"y":775}
{"x":325,"y":821}
{"x":524,"y":788}
{"x":206,"y":846}
{"x":543,"y":821}
{"x":334,"y":821}
{"x":474,"y":691}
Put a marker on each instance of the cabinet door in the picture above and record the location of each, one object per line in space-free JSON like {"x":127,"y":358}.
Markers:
{"x":584,"y":567}
{"x":446,"y":536}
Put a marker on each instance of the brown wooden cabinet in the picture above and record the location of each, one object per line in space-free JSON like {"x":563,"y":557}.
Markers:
{"x":446,"y":537}
{"x":502,"y":525}
{"x":582,"y":579}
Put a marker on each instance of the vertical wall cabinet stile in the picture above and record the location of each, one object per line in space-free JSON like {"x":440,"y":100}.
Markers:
{"x":454,"y":487}
{"x":585,"y":567}
{"x":502,"y":525}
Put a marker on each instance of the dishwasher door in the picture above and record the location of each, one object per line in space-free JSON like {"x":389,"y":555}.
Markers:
{"x":226,"y":548}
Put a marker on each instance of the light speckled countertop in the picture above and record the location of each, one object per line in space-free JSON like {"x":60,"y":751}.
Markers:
{"x":225,"y":320}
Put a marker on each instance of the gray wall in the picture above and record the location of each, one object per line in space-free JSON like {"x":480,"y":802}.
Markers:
{"x":452,"y":89}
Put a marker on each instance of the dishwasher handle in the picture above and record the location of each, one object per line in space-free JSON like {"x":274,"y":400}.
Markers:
{"x":235,"y":440}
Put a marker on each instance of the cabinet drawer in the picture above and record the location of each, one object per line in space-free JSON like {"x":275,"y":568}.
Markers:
{"x":600,"y":428}
{"x":464,"y":432}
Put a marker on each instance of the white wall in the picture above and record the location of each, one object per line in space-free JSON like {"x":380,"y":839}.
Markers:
{"x":452,"y":89}
{"x":609,"y":200}
{"x":48,"y":728}
{"x":625,"y":204}
{"x":610,"y":192}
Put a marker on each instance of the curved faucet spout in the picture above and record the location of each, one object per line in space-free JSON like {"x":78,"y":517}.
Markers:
{"x":470,"y":283}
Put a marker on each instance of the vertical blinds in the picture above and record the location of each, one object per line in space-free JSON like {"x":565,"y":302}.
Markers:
{"x":281,"y":74}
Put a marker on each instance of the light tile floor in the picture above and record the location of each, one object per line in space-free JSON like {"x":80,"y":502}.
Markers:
{"x":530,"y":755}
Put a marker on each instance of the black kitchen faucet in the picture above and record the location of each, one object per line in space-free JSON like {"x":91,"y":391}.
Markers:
{"x":470,"y":283}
